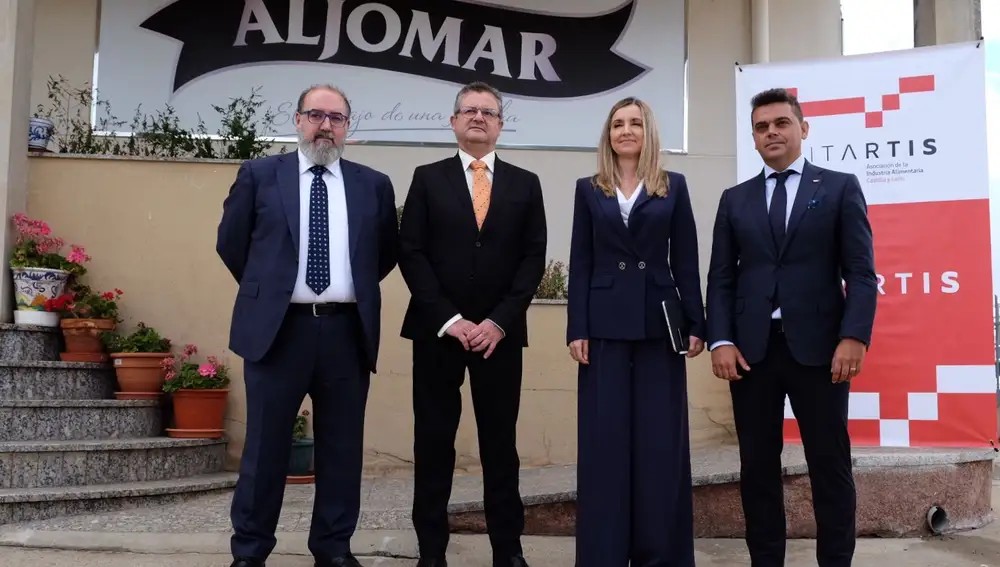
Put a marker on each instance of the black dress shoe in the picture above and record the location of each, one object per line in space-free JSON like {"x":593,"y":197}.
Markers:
{"x":247,"y":562}
{"x":432,"y":562}
{"x":346,"y":560}
{"x":515,"y":561}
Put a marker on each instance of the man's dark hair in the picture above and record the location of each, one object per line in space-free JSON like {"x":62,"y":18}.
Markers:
{"x":772,"y":96}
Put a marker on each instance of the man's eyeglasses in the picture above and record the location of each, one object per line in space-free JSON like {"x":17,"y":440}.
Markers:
{"x":317,"y":117}
{"x":471,"y":111}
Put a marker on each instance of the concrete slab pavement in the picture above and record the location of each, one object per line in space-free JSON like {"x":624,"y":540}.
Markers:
{"x":111,"y":544}
{"x":970,"y":550}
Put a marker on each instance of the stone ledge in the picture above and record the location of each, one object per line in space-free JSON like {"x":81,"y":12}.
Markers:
{"x":34,"y":380}
{"x":71,"y":420}
{"x":23,"y":505}
{"x":128,"y":489}
{"x":105,"y":445}
{"x":78,"y":404}
{"x":25,"y":465}
{"x":59,"y":364}
{"x":896,"y":487}
{"x":29,"y":328}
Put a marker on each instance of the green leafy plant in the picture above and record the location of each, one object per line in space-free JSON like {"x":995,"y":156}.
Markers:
{"x":554,"y":282}
{"x":244,"y":125}
{"x":182,"y":373}
{"x":143,"y":339}
{"x":301,"y":423}
{"x":89,"y":304}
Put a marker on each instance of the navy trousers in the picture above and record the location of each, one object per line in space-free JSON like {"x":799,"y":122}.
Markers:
{"x":322,"y":357}
{"x":634,"y":500}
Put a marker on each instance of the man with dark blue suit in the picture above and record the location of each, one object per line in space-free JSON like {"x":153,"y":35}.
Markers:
{"x":308,"y":236}
{"x":780,"y":323}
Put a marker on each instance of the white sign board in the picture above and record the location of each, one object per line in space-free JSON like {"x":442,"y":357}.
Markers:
{"x":401,"y":62}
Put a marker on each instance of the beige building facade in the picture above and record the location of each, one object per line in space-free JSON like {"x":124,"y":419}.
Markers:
{"x":129,"y":212}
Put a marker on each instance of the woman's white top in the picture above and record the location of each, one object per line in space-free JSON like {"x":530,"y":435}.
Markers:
{"x":625,"y":204}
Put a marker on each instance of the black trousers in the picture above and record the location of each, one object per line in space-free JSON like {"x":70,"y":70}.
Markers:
{"x":322,"y":357}
{"x":820,"y":408}
{"x":439,"y":367}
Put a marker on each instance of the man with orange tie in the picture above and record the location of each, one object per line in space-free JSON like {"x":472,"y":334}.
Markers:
{"x":472,"y":251}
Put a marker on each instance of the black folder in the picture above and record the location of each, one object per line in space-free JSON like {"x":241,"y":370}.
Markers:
{"x":677,"y":325}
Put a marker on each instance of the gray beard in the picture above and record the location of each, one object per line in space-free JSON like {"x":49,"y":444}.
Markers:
{"x":320,"y":154}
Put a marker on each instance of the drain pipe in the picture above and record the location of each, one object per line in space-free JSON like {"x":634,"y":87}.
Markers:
{"x":937,"y":519}
{"x":760,"y":32}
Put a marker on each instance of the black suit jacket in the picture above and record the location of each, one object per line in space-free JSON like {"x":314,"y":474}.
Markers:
{"x":451,"y":267}
{"x":828,"y":242}
{"x":258,"y":240}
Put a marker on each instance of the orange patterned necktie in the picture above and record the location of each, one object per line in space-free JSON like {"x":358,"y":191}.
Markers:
{"x":480,"y":191}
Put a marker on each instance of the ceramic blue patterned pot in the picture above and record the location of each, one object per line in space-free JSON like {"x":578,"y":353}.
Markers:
{"x":39,"y":132}
{"x":32,"y":288}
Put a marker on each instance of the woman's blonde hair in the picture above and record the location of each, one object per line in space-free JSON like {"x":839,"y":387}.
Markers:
{"x":650,"y":172}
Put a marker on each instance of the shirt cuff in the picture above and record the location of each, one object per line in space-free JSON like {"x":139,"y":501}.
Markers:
{"x":717,"y":344}
{"x":444,"y":328}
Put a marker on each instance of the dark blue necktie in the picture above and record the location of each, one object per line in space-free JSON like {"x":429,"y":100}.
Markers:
{"x":318,"y":260}
{"x":779,"y":203}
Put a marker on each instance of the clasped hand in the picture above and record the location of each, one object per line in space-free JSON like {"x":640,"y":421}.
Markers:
{"x":476,"y":338}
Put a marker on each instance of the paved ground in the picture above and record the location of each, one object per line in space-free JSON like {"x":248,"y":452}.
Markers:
{"x":196,"y":534}
{"x":981,"y":549}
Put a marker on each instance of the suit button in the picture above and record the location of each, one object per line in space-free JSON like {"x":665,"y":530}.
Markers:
{"x":479,"y":245}
{"x":642,"y":265}
{"x":621,"y":265}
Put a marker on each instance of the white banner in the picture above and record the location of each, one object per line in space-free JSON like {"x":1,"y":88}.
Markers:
{"x":401,"y":62}
{"x":911,"y":125}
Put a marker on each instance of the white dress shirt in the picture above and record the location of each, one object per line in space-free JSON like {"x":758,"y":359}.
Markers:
{"x":791,"y":189}
{"x":625,"y":204}
{"x":341,"y":288}
{"x":490,"y":160}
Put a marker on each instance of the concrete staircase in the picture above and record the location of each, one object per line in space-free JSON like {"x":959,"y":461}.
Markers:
{"x":67,"y":447}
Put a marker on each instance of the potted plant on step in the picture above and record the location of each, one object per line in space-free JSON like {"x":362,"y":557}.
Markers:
{"x":138,"y":360}
{"x":88,"y":315}
{"x":40,"y":271}
{"x":301,"y":459}
{"x":200,"y":393}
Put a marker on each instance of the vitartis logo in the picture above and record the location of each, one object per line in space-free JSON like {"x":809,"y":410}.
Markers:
{"x":520,"y":53}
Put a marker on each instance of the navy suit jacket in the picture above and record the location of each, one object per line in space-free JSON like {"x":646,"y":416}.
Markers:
{"x":258,"y":241}
{"x":828,"y":242}
{"x":619,"y":274}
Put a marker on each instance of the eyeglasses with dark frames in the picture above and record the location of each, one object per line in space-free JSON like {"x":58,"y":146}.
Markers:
{"x":318,"y":116}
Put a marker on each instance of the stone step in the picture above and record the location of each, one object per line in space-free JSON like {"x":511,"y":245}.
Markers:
{"x":56,"y":380}
{"x":41,"y":464}
{"x":68,"y":420}
{"x":28,"y":342}
{"x":31,"y":504}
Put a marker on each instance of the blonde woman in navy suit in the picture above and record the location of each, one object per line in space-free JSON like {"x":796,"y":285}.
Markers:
{"x":633,"y":246}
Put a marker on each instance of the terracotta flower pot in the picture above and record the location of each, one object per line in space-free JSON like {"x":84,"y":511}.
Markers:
{"x":84,"y":335}
{"x":199,"y":413}
{"x":139,"y":373}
